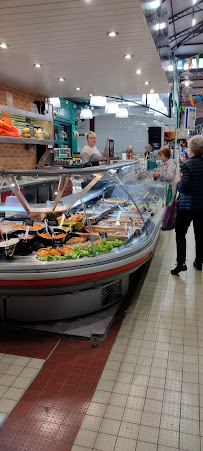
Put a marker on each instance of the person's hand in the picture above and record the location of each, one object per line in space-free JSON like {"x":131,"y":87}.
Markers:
{"x":102,"y":162}
{"x":155,"y":175}
{"x":177,"y":179}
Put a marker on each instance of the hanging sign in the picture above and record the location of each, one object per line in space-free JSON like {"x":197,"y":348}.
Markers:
{"x":190,"y":118}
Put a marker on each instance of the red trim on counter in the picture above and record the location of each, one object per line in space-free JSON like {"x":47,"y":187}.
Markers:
{"x":61,"y":281}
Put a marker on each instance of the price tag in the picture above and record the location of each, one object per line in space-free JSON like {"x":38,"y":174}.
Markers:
{"x":32,"y":133}
{"x":53,"y":223}
{"x":28,"y":222}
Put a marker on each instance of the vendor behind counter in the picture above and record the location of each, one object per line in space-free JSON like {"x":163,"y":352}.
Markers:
{"x":90,"y":154}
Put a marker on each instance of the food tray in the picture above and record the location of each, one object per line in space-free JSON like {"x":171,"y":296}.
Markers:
{"x":109,"y":237}
{"x":114,"y":201}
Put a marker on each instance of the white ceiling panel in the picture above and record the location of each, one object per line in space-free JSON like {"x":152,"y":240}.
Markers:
{"x":69,"y":38}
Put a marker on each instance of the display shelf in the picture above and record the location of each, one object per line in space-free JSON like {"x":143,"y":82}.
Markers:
{"x":29,"y":114}
{"x":68,"y":286}
{"x":16,"y":140}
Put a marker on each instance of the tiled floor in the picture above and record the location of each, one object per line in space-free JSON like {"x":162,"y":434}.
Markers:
{"x":139,"y":390}
{"x":16,"y":374}
{"x":150,"y":395}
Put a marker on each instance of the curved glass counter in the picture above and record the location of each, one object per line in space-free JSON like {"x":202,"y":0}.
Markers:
{"x":78,"y":240}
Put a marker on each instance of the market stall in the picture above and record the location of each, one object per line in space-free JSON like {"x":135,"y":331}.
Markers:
{"x":74,"y":255}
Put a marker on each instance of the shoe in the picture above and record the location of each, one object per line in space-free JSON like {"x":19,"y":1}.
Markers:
{"x":197,"y":265}
{"x":179,"y":268}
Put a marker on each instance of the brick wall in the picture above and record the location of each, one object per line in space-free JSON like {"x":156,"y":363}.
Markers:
{"x":15,"y":156}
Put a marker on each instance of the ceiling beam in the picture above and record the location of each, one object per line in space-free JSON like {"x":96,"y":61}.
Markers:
{"x":185,"y":12}
{"x":173,"y":22}
{"x":191,"y":33}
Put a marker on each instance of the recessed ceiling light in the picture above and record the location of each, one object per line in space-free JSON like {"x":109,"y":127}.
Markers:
{"x":112,"y":34}
{"x":37,"y":65}
{"x":3,"y":45}
{"x":146,"y":83}
{"x":91,"y":95}
{"x":138,"y":71}
{"x":151,"y":91}
{"x":77,"y":89}
{"x":61,"y":79}
{"x":128,"y":56}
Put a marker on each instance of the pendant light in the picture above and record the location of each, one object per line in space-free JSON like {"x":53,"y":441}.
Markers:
{"x":86,"y":113}
{"x":98,"y":101}
{"x":122,"y":113}
{"x":111,"y":108}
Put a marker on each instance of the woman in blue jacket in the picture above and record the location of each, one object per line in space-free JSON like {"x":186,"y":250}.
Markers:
{"x":190,"y":208}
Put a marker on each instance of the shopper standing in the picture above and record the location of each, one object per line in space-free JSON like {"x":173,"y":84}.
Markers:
{"x":190,"y":208}
{"x":167,"y":169}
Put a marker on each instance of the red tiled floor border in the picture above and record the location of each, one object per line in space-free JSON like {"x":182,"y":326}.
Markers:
{"x":60,"y":394}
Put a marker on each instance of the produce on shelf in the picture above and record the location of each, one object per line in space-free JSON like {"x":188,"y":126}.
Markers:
{"x":7,"y":128}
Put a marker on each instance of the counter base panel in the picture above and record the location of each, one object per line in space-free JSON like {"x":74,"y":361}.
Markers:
{"x":61,"y":306}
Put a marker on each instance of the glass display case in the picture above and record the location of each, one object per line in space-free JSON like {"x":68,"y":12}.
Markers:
{"x":73,"y":254}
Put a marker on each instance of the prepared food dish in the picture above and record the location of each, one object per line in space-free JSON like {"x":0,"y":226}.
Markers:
{"x":115,"y":199}
{"x":100,"y":246}
{"x":76,"y":218}
{"x":77,"y":239}
{"x":66,"y":250}
{"x":60,"y":235}
{"x":10,"y":242}
{"x":35,"y":226}
{"x":42,"y":252}
{"x":22,"y":236}
{"x":46,"y":235}
{"x":54,"y":252}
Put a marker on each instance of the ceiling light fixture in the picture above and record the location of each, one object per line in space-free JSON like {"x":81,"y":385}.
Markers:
{"x":3,"y":45}
{"x":160,"y":26}
{"x":86,"y":113}
{"x":61,"y":79}
{"x":146,"y":83}
{"x":138,"y":71}
{"x":111,"y":108}
{"x":152,"y":91}
{"x":194,"y":21}
{"x":112,"y":34}
{"x":37,"y":65}
{"x":98,"y":101}
{"x":122,"y":113}
{"x":155,"y":4}
{"x":128,"y":56}
{"x":78,"y":88}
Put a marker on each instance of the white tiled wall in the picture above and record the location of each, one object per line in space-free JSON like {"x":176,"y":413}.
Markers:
{"x":123,"y":131}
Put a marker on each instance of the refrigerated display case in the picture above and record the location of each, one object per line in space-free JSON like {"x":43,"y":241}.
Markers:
{"x":74,"y":254}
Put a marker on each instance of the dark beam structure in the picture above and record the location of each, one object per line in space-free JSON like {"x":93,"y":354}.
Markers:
{"x":184,"y":13}
{"x":187,"y":35}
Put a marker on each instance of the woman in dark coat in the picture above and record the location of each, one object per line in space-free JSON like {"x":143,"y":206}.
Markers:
{"x":190,"y":208}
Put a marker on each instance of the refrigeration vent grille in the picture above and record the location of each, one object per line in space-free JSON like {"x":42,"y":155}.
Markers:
{"x":111,"y":293}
